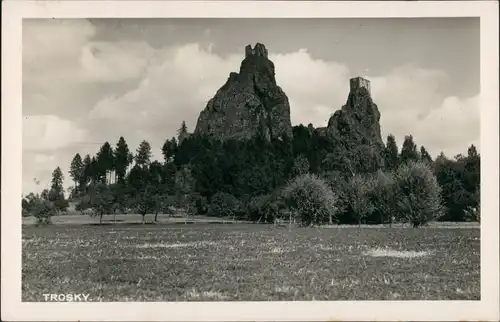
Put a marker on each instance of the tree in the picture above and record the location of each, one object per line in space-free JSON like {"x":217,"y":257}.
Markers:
{"x":383,"y":196}
{"x":224,"y":205}
{"x":87,"y":171}
{"x":94,"y":171}
{"x":143,"y":155}
{"x":459,"y":181}
{"x":258,"y":208}
{"x":418,"y":193}
{"x":361,"y":159}
{"x":182,"y":132}
{"x":391,"y":154}
{"x":169,"y":149}
{"x":28,"y":203}
{"x":76,"y":170}
{"x":105,"y":162}
{"x":196,"y":204}
{"x":56,"y":193}
{"x":43,"y":211}
{"x":101,"y":200}
{"x":300,"y":166}
{"x":425,"y":156}
{"x":472,"y":174}
{"x":145,"y":201}
{"x":122,"y":160}
{"x":311,"y":198}
{"x":409,"y":150}
{"x":57,"y":179}
{"x":359,"y":192}
{"x":184,"y":184}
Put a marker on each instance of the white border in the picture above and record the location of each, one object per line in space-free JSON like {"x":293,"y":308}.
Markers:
{"x":13,"y":310}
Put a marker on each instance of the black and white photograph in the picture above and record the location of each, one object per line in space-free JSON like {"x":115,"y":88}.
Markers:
{"x":278,"y":159}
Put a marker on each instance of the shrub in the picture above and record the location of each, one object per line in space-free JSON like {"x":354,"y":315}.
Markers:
{"x":43,"y":210}
{"x":311,"y":198}
{"x":418,"y":193}
{"x":224,"y":205}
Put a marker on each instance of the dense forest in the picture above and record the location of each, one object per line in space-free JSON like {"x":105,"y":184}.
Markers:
{"x":308,"y":178}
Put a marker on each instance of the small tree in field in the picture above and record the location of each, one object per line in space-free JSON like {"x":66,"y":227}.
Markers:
{"x":360,"y":189}
{"x":383,"y":195}
{"x":311,"y":199}
{"x":43,"y":211}
{"x":418,"y":193}
{"x":101,"y":200}
{"x":145,"y":201}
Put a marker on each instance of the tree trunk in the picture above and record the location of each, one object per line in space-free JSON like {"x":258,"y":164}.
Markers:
{"x":330,"y":219}
{"x":359,"y":222}
{"x":100,"y":219}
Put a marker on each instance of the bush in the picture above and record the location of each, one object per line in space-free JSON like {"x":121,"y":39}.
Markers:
{"x":224,"y":205}
{"x":418,"y":193}
{"x":311,"y":199}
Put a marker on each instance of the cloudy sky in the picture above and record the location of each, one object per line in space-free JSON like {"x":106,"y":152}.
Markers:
{"x":89,"y":81}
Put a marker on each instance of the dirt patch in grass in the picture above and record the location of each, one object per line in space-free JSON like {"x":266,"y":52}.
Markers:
{"x":386,"y":252}
{"x":176,"y":245}
{"x":248,"y":263}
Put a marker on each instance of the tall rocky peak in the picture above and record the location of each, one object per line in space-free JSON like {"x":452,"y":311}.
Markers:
{"x":358,"y":121}
{"x":250,"y":103}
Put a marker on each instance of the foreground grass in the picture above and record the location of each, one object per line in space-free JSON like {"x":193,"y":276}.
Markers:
{"x":213,"y":262}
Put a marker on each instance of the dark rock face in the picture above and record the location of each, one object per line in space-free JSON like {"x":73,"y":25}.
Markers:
{"x":249,"y":104}
{"x":358,"y":122}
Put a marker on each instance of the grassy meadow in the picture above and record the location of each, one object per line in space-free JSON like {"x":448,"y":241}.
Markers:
{"x":213,"y":261}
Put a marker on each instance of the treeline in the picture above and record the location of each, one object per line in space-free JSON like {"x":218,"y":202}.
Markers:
{"x":253,"y":179}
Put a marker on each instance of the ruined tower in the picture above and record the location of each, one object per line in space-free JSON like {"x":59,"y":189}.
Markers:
{"x":358,"y":82}
{"x":249,"y":104}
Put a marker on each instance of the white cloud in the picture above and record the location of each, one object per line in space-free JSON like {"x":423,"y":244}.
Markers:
{"x":452,"y":127}
{"x":411,"y":101}
{"x":175,"y":88}
{"x":43,"y":158}
{"x":63,"y":50}
{"x":315,"y":88}
{"x":49,"y":132}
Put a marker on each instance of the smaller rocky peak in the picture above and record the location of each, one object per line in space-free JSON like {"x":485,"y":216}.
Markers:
{"x":258,"y":50}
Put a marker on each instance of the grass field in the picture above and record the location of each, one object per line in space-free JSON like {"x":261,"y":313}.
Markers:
{"x":198,"y":262}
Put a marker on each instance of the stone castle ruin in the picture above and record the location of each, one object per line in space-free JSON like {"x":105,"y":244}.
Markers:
{"x":251,"y":103}
{"x":358,"y":82}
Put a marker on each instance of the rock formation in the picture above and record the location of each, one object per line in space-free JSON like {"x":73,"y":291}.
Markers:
{"x":250,"y":103}
{"x":358,"y":121}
